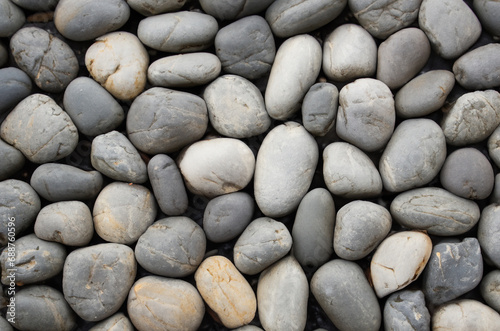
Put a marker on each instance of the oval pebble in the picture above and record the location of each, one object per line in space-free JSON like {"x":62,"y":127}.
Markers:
{"x":12,"y":18}
{"x":463,"y":315}
{"x":490,"y":289}
{"x":117,"y":322}
{"x":36,"y":5}
{"x":153,"y":7}
{"x":15,"y":85}
{"x":488,"y":12}
{"x":479,"y":69}
{"x":11,"y":162}
{"x":230,"y":9}
{"x":406,"y":310}
{"x":487,"y":233}
{"x":319,"y":108}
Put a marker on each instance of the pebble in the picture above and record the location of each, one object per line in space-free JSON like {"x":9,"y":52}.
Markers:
{"x":68,"y":222}
{"x":294,"y":71}
{"x":229,"y":10}
{"x":184,"y":70}
{"x":81,"y":20}
{"x":161,"y":120}
{"x":312,"y":231}
{"x":15,"y":85}
{"x":319,"y":108}
{"x":424,"y":94}
{"x":402,"y":56}
{"x":435,"y":210}
{"x":366,"y":114}
{"x":4,"y":325}
{"x":420,"y":140}
{"x":36,"y":260}
{"x":236,"y":107}
{"x":93,"y":109}
{"x":453,"y":269}
{"x":488,"y":12}
{"x":231,"y":46}
{"x":350,"y":173}
{"x":451,"y":26}
{"x":114,"y":156}
{"x":118,"y":61}
{"x":478,"y":69}
{"x":57,"y":182}
{"x":465,"y":314}
{"x":495,"y":196}
{"x":406,"y":310}
{"x":36,"y":5}
{"x":48,"y":60}
{"x":284,"y":169}
{"x":159,"y":303}
{"x":11,"y":162}
{"x":168,"y":186}
{"x":288,"y":18}
{"x":494,"y":146}
{"x":171,"y":247}
{"x":487,"y":233}
{"x":342,"y":290}
{"x":248,"y":328}
{"x":359,"y":228}
{"x":153,"y":7}
{"x":12,"y":18}
{"x":226,"y":291}
{"x":399,"y":260}
{"x":279,"y":307}
{"x":468,"y":174}
{"x":123,"y":212}
{"x":226,"y":216}
{"x":179,"y":32}
{"x":117,"y":322}
{"x":490,"y":289}
{"x":349,"y":52}
{"x":263,"y":242}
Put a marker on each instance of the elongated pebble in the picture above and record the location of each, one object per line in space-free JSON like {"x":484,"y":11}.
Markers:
{"x":479,"y":69}
{"x":487,"y":233}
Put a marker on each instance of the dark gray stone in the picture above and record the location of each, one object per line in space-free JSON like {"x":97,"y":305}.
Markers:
{"x":117,"y":322}
{"x":488,"y":12}
{"x":319,"y":108}
{"x":11,"y":18}
{"x":490,"y":289}
{"x":487,"y":233}
{"x":15,"y":85}
{"x":12,"y":160}
{"x":479,"y":69}
{"x":36,"y":5}
{"x":406,"y":310}
{"x":154,"y":7}
{"x":233,"y":9}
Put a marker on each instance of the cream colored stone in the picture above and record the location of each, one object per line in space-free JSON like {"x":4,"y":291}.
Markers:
{"x":465,"y":315}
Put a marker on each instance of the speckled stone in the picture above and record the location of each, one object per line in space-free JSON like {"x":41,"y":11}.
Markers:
{"x":463,"y":315}
{"x":319,"y":108}
{"x":490,"y":289}
{"x":155,"y":7}
{"x":488,"y":12}
{"x":406,"y":310}
{"x":487,"y":233}
{"x":479,"y":69}
{"x":228,"y":10}
{"x":12,"y":18}
{"x":12,"y":160}
{"x":117,"y":322}
{"x":15,"y":85}
{"x":494,"y":146}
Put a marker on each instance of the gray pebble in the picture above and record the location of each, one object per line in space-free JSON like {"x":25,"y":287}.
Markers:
{"x":231,"y":9}
{"x":117,"y":322}
{"x":406,"y":310}
{"x":226,"y":216}
{"x":11,"y":18}
{"x":488,"y":12}
{"x":480,"y":68}
{"x":465,"y":315}
{"x":490,"y":289}
{"x":4,"y":55}
{"x":487,"y":233}
{"x":15,"y":85}
{"x":494,"y":146}
{"x":155,"y":7}
{"x":231,"y":46}
{"x":96,"y":279}
{"x":319,"y":108}
{"x":4,"y":325}
{"x":248,"y":328}
{"x":12,"y":160}
{"x":36,"y":5}
{"x":495,"y":196}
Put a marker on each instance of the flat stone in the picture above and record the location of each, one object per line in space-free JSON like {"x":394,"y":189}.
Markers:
{"x":487,"y":233}
{"x":494,"y":146}
{"x":464,"y":315}
{"x":15,"y":85}
{"x":36,"y":5}
{"x":490,"y":289}
{"x":406,"y":310}
{"x":12,"y":18}
{"x":117,"y":322}
{"x":12,"y":160}
{"x":319,"y":108}
{"x":228,"y":10}
{"x":153,"y":7}
{"x":488,"y":12}
{"x":479,"y":69}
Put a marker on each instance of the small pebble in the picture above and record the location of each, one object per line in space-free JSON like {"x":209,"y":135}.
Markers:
{"x":319,"y":108}
{"x":36,"y":5}
{"x":494,"y":146}
{"x":11,"y":162}
{"x":488,"y":12}
{"x":228,"y":10}
{"x":406,"y":310}
{"x":117,"y":322}
{"x":464,"y":315}
{"x":12,"y":18}
{"x":153,"y":7}
{"x":490,"y":289}
{"x":479,"y":69}
{"x":15,"y":85}
{"x":487,"y":233}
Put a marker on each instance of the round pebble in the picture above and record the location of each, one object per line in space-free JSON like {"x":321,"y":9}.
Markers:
{"x":487,"y":233}
{"x":465,"y":314}
{"x":488,"y":12}
{"x":490,"y":289}
{"x":15,"y":85}
{"x":228,"y":10}
{"x":153,"y":7}
{"x":117,"y":322}
{"x":319,"y":108}
{"x":11,"y":18}
{"x":406,"y":310}
{"x":36,"y":5}
{"x":12,"y":160}
{"x":478,"y":69}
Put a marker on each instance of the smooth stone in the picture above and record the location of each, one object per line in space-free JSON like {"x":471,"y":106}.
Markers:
{"x":406,"y":310}
{"x":40,"y":129}
{"x":479,"y":69}
{"x":435,"y":210}
{"x":487,"y":233}
{"x":248,"y":328}
{"x":226,"y":216}
{"x":81,"y":20}
{"x":117,"y":322}
{"x":96,"y":279}
{"x":48,"y":60}
{"x":488,"y":12}
{"x":490,"y":289}
{"x":465,"y":314}
{"x":171,"y":247}
{"x":424,"y":94}
{"x":114,"y":156}
{"x":179,"y":32}
{"x":41,"y":307}
{"x":342,"y":290}
{"x":93,"y":109}
{"x":228,"y":10}
{"x":413,"y":156}
{"x":4,"y":55}
{"x":118,"y":61}
{"x":402,"y":56}
{"x":399,"y":260}
{"x":284,"y":169}
{"x":36,"y":260}
{"x":154,"y":7}
{"x":279,"y":307}
{"x":359,"y":228}
{"x":4,"y":324}
{"x":236,"y":107}
{"x":168,"y":186}
{"x":312,"y":230}
{"x":349,"y":52}
{"x":159,"y":303}
{"x":161,"y":120}
{"x":15,"y":85}
{"x":383,"y":18}
{"x":350,"y":173}
{"x":288,"y":18}
{"x":494,"y":146}
{"x":58,"y":182}
{"x":36,"y":5}
{"x":226,"y":291}
{"x":319,"y":108}
{"x":451,"y":26}
{"x":12,"y":18}
{"x":495,"y":196}
{"x":294,"y":71}
{"x":184,"y":70}
{"x":231,"y":46}
{"x":11,"y":162}
{"x":68,"y":222}
{"x":468,"y":174}
{"x":366,"y":114}
{"x":263,"y":242}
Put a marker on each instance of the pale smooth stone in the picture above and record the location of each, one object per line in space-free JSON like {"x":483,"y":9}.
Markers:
{"x":117,"y":322}
{"x":155,"y":7}
{"x":494,"y":146}
{"x":490,"y":289}
{"x":480,"y":68}
{"x":487,"y":233}
{"x":465,"y":315}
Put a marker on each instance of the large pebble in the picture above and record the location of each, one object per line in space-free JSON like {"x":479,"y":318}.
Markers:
{"x":464,"y":315}
{"x":158,"y":303}
{"x":345,"y":295}
{"x":12,"y":160}
{"x":155,"y":7}
{"x":15,"y":85}
{"x":487,"y":233}
{"x":233,"y":9}
{"x":406,"y":310}
{"x":490,"y":289}
{"x":294,"y":71}
{"x":488,"y":12}
{"x":494,"y":146}
{"x":117,"y":322}
{"x":161,"y":120}
{"x":11,"y":18}
{"x":319,"y":108}
{"x":263,"y":242}
{"x":399,"y":260}
{"x":284,"y":169}
{"x":479,"y":69}
{"x":226,"y":291}
{"x":118,"y":61}
{"x":96,"y":279}
{"x":280,"y":308}
{"x":36,"y":5}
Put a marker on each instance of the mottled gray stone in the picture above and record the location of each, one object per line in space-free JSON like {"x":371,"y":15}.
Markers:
{"x":155,"y":7}
{"x":117,"y":322}
{"x":319,"y":108}
{"x":96,"y":279}
{"x":490,"y":289}
{"x":11,"y":18}
{"x":343,"y":292}
{"x":406,"y":310}
{"x":488,"y":12}
{"x":488,"y":233}
{"x":494,"y":146}
{"x":12,"y":160}
{"x":15,"y":85}
{"x":463,"y":315}
{"x":233,"y":9}
{"x":480,"y":68}
{"x":36,"y":5}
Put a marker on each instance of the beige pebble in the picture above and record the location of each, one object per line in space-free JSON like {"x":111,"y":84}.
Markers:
{"x":465,"y":315}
